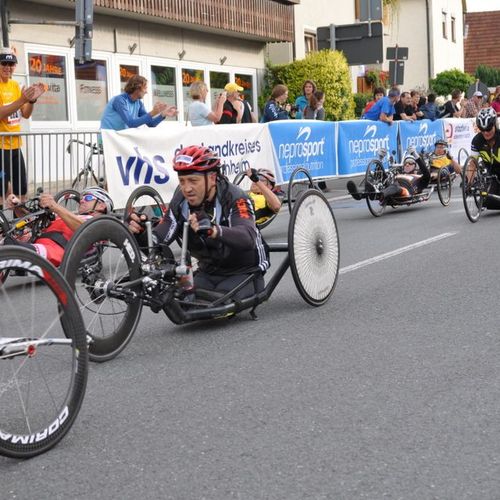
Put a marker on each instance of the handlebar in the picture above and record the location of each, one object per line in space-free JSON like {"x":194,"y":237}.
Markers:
{"x":96,"y":148}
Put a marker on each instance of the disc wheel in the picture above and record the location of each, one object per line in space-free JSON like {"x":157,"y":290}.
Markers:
{"x":145,"y":200}
{"x":472,"y":187}
{"x":375,"y":176}
{"x":444,"y":183}
{"x":313,"y":247}
{"x":69,"y":199}
{"x":100,"y":258}
{"x":43,"y":356}
{"x":295,"y":189}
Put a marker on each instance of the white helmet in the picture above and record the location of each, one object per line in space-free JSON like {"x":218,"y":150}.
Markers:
{"x":409,"y":164}
{"x":486,"y":118}
{"x":101,"y":195}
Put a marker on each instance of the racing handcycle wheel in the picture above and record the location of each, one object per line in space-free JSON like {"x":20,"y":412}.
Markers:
{"x":69,"y":199}
{"x":145,"y":200}
{"x":474,"y":188}
{"x":313,"y":247}
{"x":43,"y":355}
{"x":375,"y":176}
{"x":295,"y":189}
{"x":102,"y":256}
{"x":444,"y":183}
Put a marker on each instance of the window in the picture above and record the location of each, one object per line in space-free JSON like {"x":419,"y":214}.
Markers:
{"x":188,"y":77}
{"x":126,"y":73}
{"x":163,"y":86}
{"x":310,"y":42}
{"x":453,"y":28}
{"x":443,"y":23}
{"x":91,"y":90}
{"x":50,"y":70}
{"x":246,"y":81}
{"x":218,"y":81}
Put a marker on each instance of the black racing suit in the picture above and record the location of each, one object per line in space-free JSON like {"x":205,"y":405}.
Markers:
{"x":490,"y":154}
{"x":408,"y":184}
{"x":238,"y":249}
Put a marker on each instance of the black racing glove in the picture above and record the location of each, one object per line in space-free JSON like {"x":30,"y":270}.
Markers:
{"x":255,"y":176}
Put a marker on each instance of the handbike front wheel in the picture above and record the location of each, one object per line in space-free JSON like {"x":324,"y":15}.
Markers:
{"x":375,"y":178}
{"x":295,"y":189}
{"x":145,"y":200}
{"x":69,"y":199}
{"x":444,"y":183}
{"x":43,"y":356}
{"x":472,"y":186}
{"x":99,"y":259}
{"x":313,"y":246}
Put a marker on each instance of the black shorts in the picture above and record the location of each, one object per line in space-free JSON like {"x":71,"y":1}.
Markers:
{"x":13,"y":171}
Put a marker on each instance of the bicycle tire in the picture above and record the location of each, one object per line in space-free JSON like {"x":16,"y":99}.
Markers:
{"x":472,"y":186}
{"x":444,"y":186}
{"x":291,"y":196}
{"x":68,"y":198}
{"x":4,"y":227}
{"x":103,"y":253}
{"x":239,"y":178}
{"x":151,"y":205}
{"x":376,"y":176}
{"x":313,"y":247}
{"x":42,"y":385}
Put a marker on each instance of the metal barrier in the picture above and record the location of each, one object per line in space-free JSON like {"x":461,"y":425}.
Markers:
{"x":53,"y":161}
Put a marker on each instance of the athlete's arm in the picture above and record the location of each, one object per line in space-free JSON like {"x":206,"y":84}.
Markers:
{"x":73,"y":221}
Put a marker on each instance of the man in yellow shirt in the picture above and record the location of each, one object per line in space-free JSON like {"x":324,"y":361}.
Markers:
{"x":15,"y":103}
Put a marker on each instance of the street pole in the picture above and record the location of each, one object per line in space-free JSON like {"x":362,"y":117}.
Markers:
{"x":3,"y":20}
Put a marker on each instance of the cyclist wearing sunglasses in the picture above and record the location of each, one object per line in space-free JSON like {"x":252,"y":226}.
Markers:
{"x":222,"y":231}
{"x":15,"y":103}
{"x":94,"y":201}
{"x":486,"y":145}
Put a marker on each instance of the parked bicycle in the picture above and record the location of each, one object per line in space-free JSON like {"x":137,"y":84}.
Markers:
{"x":86,"y":176}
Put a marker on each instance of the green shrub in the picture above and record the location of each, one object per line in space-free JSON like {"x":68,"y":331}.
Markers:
{"x":360,"y":100}
{"x":328,"y":69}
{"x":449,"y":80}
{"x":488,"y":75}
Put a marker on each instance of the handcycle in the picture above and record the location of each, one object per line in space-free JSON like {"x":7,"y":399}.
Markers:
{"x":86,"y":176}
{"x":476,"y":183}
{"x":43,"y":355}
{"x":379,"y":178}
{"x":113,"y":288}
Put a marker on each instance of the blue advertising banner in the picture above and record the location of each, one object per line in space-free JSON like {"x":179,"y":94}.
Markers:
{"x":359,"y":141}
{"x":421,"y":134}
{"x":304,"y":143}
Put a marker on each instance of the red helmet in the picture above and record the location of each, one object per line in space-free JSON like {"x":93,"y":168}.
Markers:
{"x":192,"y":159}
{"x":267,"y":174}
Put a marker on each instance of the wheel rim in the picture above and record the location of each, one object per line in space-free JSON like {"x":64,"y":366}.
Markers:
{"x":444,"y":187}
{"x":146,"y":201}
{"x":40,"y":390}
{"x":314,"y":247}
{"x":471,"y":190}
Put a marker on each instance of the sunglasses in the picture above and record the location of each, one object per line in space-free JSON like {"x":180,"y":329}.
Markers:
{"x":7,"y":63}
{"x":88,"y":197}
{"x":487,"y":129}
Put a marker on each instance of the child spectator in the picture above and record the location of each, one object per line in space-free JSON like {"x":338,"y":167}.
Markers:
{"x":378,"y":93}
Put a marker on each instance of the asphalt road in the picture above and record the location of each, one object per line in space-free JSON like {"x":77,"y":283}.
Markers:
{"x":390,"y":390}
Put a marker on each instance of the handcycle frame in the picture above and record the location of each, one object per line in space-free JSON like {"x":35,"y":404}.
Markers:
{"x":312,"y":253}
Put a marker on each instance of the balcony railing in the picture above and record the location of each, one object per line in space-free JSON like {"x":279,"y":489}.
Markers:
{"x":261,"y":19}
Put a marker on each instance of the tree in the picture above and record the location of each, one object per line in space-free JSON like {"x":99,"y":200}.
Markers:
{"x":449,"y":80}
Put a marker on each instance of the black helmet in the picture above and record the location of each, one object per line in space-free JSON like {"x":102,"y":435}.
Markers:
{"x":486,"y":119}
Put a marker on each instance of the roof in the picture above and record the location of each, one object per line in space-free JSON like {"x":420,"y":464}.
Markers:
{"x":481,"y":44}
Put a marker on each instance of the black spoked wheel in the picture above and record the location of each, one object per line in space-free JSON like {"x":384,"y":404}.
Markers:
{"x":298,"y":186}
{"x":444,"y":183}
{"x":313,"y":246}
{"x":375,"y":178}
{"x":69,"y":199}
{"x":473,"y":185}
{"x":101,"y":257}
{"x":43,"y":356}
{"x":145,"y":200}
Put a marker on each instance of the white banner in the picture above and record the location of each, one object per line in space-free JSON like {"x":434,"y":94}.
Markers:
{"x":459,"y":133}
{"x":143,"y":156}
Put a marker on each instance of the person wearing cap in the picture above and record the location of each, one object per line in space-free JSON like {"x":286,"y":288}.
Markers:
{"x":222,"y":233}
{"x":15,"y":103}
{"x":94,"y":201}
{"x":232,"y":111}
{"x":383,"y":110}
{"x":473,"y":105}
{"x":198,"y":112}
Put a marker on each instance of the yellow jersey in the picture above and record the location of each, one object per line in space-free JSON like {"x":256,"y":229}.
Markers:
{"x":10,"y":92}
{"x":440,"y":161}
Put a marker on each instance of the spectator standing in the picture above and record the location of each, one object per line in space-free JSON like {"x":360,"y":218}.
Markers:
{"x":308,"y":88}
{"x":378,"y":93}
{"x":232,"y":110}
{"x":495,"y":104}
{"x":198,"y":112}
{"x":383,"y":110}
{"x":275,"y":108}
{"x":473,"y":105}
{"x":15,"y":103}
{"x":126,"y":110}
{"x":452,"y":107}
{"x":429,"y":109}
{"x":248,"y":114}
{"x":314,"y":110}
{"x":404,"y":108}
{"x":415,"y":103}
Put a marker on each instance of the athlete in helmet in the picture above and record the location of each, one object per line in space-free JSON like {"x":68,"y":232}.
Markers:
{"x":486,"y":145}
{"x":222,"y":235}
{"x":441,"y":158}
{"x":265,"y":198}
{"x":51,"y":243}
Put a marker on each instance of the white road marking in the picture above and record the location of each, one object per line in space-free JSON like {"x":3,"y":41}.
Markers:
{"x":398,"y":251}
